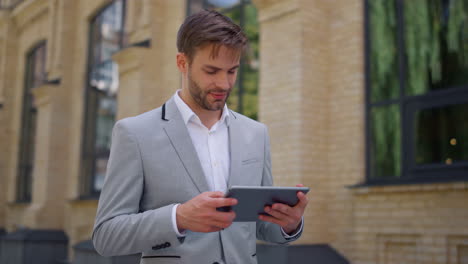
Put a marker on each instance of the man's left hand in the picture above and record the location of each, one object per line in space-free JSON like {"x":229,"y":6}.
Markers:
{"x":288,"y":217}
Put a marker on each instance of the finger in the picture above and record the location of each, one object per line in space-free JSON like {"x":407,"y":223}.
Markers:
{"x":221,"y":202}
{"x":271,"y":219}
{"x":285,"y":209}
{"x":215,"y":194}
{"x":224,"y":216}
{"x":278,"y":214}
{"x":303,"y":200}
{"x":300,"y":185}
{"x":221,"y":220}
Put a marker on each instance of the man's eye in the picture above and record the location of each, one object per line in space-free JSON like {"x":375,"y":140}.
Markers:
{"x":232,"y":72}
{"x":211,"y":72}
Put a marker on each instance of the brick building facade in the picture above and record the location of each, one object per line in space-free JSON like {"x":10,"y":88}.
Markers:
{"x":311,"y":94}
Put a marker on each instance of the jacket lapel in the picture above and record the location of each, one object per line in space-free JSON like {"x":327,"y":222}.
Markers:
{"x":182,"y":143}
{"x":235,"y":149}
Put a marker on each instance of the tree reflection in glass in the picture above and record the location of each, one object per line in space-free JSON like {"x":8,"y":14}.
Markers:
{"x":436,"y":44}
{"x":385,"y":153}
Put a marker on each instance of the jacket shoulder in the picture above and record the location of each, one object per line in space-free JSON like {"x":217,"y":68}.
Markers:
{"x":247,"y":121}
{"x":142,"y":121}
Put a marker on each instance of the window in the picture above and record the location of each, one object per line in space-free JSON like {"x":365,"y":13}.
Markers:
{"x":106,"y":37}
{"x":8,"y":4}
{"x":244,"y":97}
{"x":417,"y":90}
{"x":34,"y":76}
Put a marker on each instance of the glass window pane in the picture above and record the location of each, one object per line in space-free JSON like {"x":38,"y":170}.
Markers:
{"x":104,"y":77}
{"x":111,"y":30}
{"x":385,"y":153}
{"x":442,"y":135}
{"x":251,"y":63}
{"x":222,"y":3}
{"x":436,"y":44}
{"x":39,"y":66}
{"x":107,"y":36}
{"x":383,"y":68}
{"x":35,"y":76}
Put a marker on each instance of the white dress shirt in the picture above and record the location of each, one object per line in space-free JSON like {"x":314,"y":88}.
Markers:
{"x":212,"y":146}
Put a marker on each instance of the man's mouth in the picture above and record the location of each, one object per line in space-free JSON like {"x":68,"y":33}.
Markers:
{"x":218,"y":96}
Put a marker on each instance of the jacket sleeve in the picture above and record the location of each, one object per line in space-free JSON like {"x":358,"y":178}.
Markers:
{"x":121,"y":228}
{"x":267,"y":231}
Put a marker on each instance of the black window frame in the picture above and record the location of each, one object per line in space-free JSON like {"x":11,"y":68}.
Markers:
{"x":408,"y":106}
{"x":88,"y":153}
{"x":27,"y":141}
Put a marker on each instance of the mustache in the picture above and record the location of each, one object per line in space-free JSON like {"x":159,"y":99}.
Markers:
{"x":219,"y":90}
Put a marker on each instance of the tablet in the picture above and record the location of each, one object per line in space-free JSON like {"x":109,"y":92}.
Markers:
{"x":253,"y":199}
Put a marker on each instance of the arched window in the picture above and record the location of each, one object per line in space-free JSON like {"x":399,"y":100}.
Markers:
{"x":34,"y":76}
{"x":244,"y":97}
{"x":417,"y":90}
{"x":106,"y":37}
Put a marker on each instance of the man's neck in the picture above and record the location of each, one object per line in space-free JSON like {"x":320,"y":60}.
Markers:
{"x":207,"y":117}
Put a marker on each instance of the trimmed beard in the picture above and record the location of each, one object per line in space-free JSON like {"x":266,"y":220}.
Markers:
{"x":201,"y":97}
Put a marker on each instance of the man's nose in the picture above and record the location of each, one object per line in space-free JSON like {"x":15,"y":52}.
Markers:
{"x":223,"y":81}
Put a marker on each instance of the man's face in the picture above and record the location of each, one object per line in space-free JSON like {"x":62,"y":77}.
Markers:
{"x":210,"y":80}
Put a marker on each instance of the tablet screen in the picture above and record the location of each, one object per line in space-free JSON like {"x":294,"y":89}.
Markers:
{"x":253,"y":199}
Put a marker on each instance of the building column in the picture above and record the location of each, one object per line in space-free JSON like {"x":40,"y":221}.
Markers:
{"x":148,"y":74}
{"x":8,"y":55}
{"x":293,"y":101}
{"x":131,"y":96}
{"x":46,"y":208}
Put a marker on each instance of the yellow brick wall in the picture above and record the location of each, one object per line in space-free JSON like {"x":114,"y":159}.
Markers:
{"x":346,"y":141}
{"x":427,"y":222}
{"x":311,"y":97}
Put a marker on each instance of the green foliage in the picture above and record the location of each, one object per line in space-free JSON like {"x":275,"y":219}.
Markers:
{"x":248,"y":74}
{"x":386,"y":147}
{"x":435,"y":56}
{"x":383,"y":50}
{"x":422,"y":46}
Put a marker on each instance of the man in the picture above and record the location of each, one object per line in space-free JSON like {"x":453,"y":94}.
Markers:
{"x":169,"y":168}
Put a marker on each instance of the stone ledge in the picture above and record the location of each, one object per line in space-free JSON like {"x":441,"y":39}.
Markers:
{"x":37,"y":236}
{"x":34,"y":246}
{"x":86,"y":245}
{"x":132,"y":57}
{"x":85,"y":253}
{"x":28,"y":10}
{"x":280,"y":254}
{"x":266,"y":254}
{"x":364,"y":189}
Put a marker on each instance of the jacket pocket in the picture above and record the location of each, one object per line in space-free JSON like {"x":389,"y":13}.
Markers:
{"x":250,"y":161}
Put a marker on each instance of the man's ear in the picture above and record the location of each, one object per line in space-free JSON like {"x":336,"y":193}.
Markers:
{"x":182,"y":62}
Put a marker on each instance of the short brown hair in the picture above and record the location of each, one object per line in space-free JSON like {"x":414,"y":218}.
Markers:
{"x":209,"y":27}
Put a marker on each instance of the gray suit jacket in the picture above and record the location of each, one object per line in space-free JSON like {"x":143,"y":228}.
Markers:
{"x":154,"y":165}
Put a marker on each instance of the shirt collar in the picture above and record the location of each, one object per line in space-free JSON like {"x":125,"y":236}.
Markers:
{"x":188,"y":114}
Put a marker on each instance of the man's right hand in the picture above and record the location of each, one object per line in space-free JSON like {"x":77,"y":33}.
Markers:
{"x":200,"y":215}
